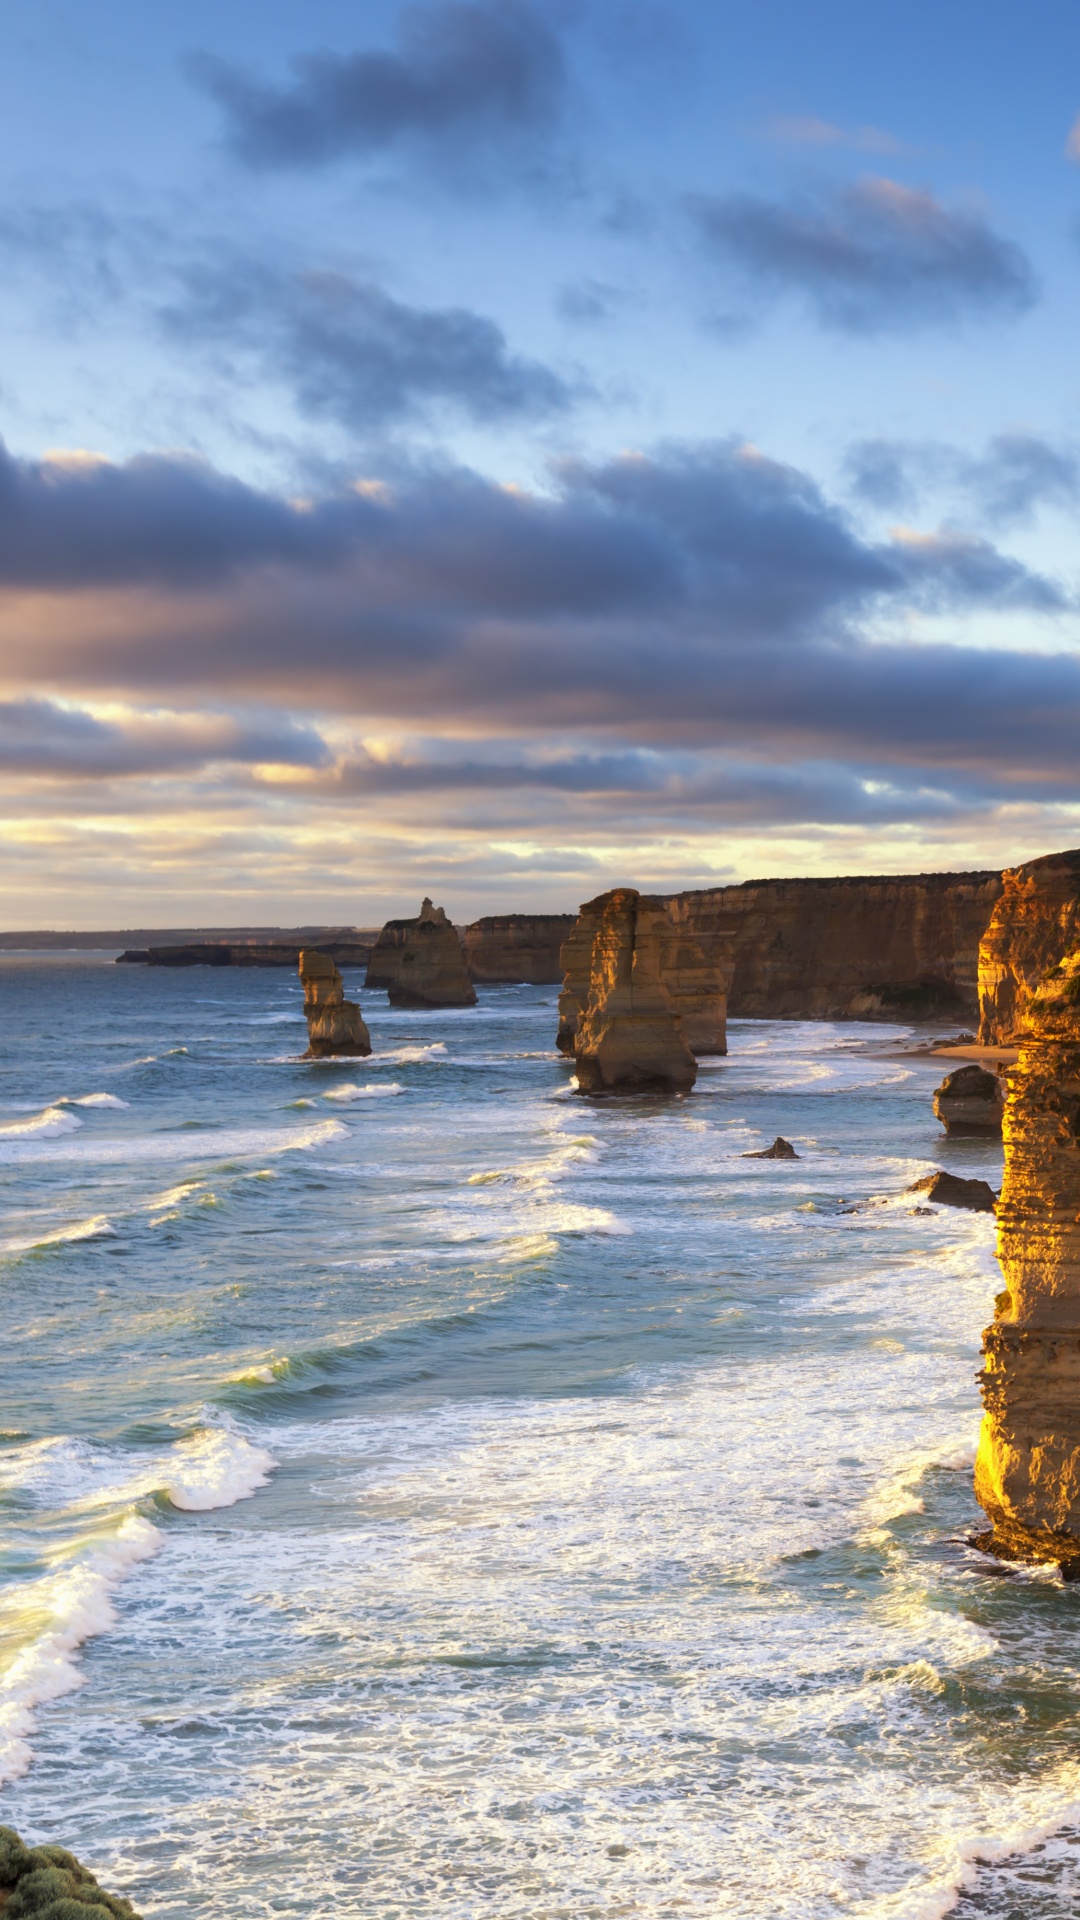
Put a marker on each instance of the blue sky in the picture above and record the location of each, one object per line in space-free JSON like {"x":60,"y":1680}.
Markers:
{"x":499,"y":449}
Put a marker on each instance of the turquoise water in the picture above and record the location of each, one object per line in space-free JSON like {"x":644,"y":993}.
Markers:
{"x":428,"y":1493}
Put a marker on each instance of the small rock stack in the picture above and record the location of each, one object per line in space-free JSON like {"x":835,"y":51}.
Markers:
{"x":430,"y":969}
{"x":334,"y":1023}
{"x":1027,"y":1475}
{"x":629,"y":1038}
{"x":970,"y":1102}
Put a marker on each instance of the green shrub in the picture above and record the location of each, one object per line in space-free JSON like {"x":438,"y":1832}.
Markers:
{"x":48,"y":1883}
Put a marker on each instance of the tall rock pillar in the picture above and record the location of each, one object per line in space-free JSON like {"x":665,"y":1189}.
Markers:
{"x":1027,"y":1475}
{"x":629,"y":1039}
{"x":334,"y":1023}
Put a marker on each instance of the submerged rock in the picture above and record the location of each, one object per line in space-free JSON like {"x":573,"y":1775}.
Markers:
{"x":50,"y":1881}
{"x":970,"y":1102}
{"x":1027,"y":1475}
{"x":431,"y":970}
{"x":334,"y":1023}
{"x":629,"y":1040}
{"x":781,"y":1149}
{"x":949,"y":1190}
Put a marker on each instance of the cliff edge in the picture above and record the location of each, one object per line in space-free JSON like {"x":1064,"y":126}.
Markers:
{"x":1035,"y":921}
{"x":1027,"y":1475}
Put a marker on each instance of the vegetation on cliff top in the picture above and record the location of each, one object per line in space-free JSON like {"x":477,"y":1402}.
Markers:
{"x":50,"y":1884}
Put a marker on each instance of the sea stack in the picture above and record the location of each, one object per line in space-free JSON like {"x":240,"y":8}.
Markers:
{"x":431,"y":970}
{"x":1027,"y":1475}
{"x":629,"y":1039}
{"x":970,"y":1102}
{"x":334,"y":1023}
{"x":693,"y":983}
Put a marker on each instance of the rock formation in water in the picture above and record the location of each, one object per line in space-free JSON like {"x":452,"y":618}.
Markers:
{"x":781,"y":1149}
{"x":49,"y":1882}
{"x":881,"y":948}
{"x":508,"y":948}
{"x":629,"y":1039}
{"x":1027,"y":1475}
{"x":692,"y":982}
{"x":382,"y":967}
{"x":970,"y":1101}
{"x":1034,"y":924}
{"x":334,"y":1023}
{"x":430,"y":968}
{"x":950,"y":1190}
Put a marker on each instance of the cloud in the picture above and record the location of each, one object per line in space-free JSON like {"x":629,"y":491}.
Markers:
{"x":466,"y":72}
{"x":41,"y":737}
{"x":351,"y":353}
{"x":700,"y":595}
{"x":1014,"y":475}
{"x":804,"y":130}
{"x":871,"y":258}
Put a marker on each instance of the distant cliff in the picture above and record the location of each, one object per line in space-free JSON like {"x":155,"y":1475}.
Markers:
{"x":1035,"y":922}
{"x":885,"y":947}
{"x":509,"y":947}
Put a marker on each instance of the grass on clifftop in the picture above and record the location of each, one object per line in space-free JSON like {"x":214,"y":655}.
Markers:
{"x":48,"y":1883}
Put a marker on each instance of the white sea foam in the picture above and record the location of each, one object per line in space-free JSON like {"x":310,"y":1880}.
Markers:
{"x":96,"y":1228}
{"x":349,"y":1091}
{"x":76,"y":1604}
{"x":225,"y":1143}
{"x":49,"y":1122}
{"x":99,"y":1100}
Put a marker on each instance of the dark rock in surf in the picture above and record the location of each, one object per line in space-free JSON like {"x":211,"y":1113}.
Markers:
{"x":949,"y":1190}
{"x":781,"y":1149}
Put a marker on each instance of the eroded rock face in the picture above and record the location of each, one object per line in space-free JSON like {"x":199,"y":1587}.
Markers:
{"x":334,"y":1023}
{"x":629,"y":1039}
{"x":1027,"y":1475}
{"x":951,"y":1190}
{"x":693,"y":983}
{"x":431,"y":970}
{"x":1034,"y":923}
{"x":970,"y":1102}
{"x":888,"y":948}
{"x":506,"y":948}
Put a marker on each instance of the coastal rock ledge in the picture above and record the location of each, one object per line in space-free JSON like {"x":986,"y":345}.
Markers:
{"x":334,"y":1023}
{"x":1027,"y":1475}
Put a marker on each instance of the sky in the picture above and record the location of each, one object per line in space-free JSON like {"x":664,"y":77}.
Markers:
{"x":502,"y":449}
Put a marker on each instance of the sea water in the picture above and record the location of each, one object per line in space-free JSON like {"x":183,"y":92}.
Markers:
{"x":427,"y":1492}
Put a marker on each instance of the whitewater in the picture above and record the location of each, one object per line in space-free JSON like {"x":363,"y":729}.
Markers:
{"x":424,"y":1492}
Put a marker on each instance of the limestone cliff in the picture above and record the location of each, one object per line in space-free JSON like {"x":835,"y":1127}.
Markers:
{"x":878,"y":948}
{"x":430,"y":967}
{"x":629,"y":1040}
{"x":382,"y":967}
{"x":334,"y":1023}
{"x":692,"y":981}
{"x":507,"y":948}
{"x":1027,"y":1475}
{"x":1035,"y":921}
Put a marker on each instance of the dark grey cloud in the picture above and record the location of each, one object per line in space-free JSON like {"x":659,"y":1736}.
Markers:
{"x":466,"y":72}
{"x":40,"y":737}
{"x":875,"y":257}
{"x":1005,"y":484}
{"x":351,"y":353}
{"x":700,"y":595}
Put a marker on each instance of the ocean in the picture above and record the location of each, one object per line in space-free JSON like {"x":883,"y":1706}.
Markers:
{"x":428,"y":1493}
